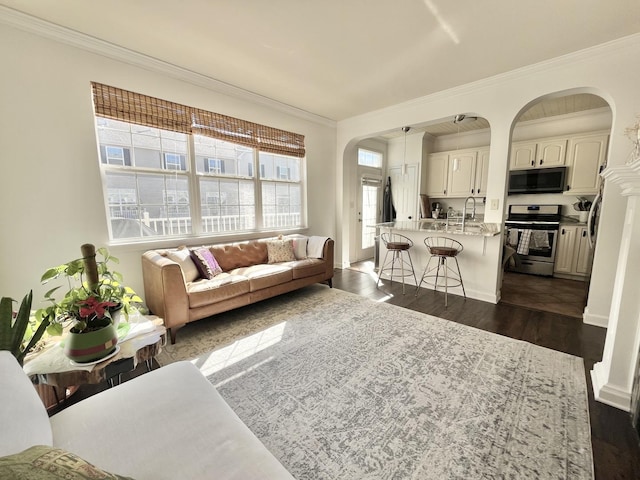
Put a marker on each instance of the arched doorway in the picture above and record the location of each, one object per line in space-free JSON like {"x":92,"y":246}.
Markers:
{"x":564,"y":134}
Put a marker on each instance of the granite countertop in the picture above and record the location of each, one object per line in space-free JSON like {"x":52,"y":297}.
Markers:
{"x":472,"y":228}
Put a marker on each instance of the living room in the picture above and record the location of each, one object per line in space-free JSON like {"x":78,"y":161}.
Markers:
{"x":53,"y":197}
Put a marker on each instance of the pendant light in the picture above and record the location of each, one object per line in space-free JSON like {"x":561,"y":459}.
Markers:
{"x":457,"y":120}
{"x":404,"y":157}
{"x":456,"y":161}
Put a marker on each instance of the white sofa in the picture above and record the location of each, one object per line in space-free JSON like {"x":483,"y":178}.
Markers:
{"x":170,"y":423}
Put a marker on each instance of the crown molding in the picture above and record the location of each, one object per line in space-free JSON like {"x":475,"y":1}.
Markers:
{"x":42,"y":28}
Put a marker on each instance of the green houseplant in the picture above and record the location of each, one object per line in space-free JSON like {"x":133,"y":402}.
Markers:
{"x":94,"y":296}
{"x":18,"y":332}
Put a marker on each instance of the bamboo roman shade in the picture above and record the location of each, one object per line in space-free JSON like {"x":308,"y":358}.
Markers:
{"x":119,"y":104}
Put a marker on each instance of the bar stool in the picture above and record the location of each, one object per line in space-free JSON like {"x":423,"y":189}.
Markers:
{"x":397,"y":245}
{"x":443,"y":249}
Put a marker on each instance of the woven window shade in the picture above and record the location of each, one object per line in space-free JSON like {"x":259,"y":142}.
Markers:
{"x":118,"y":104}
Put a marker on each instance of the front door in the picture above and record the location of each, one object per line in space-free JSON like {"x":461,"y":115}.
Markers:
{"x":369,"y":196}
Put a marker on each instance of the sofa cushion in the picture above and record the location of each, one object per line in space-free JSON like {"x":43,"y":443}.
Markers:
{"x":265,"y":275}
{"x":222,"y":287}
{"x":23,"y":419}
{"x":240,"y":254}
{"x":205,"y":262}
{"x":280,"y":251}
{"x":46,"y":463}
{"x":182,"y":256}
{"x":307,"y":267}
{"x":300,"y":247}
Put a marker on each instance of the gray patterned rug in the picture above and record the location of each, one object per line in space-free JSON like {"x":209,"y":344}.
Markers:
{"x":341,"y":387}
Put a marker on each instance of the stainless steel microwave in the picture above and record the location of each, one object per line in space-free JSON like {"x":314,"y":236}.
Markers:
{"x":537,"y":180}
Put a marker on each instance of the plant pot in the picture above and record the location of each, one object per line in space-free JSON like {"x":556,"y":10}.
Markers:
{"x":91,"y":346}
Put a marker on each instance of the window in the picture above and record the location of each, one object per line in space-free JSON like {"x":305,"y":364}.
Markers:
{"x":214,"y":165}
{"x":190,"y":172}
{"x":173,"y":161}
{"x":369,"y":158}
{"x":112,"y":155}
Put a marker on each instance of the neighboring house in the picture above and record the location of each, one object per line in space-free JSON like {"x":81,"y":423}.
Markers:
{"x":53,"y":200}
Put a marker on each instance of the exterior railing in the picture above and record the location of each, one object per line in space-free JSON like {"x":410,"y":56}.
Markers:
{"x":223,"y":223}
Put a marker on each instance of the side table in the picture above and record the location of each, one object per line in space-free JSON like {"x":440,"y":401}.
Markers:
{"x":50,"y":370}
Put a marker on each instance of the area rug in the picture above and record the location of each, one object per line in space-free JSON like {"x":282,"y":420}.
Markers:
{"x":337,"y":386}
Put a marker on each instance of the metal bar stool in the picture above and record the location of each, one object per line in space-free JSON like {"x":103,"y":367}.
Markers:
{"x":397,"y":244}
{"x":443,"y":249}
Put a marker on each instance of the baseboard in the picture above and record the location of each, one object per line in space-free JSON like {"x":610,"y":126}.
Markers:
{"x":608,"y":394}
{"x":593,"y":319}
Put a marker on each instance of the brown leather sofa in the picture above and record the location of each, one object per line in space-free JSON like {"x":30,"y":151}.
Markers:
{"x":246,"y":278}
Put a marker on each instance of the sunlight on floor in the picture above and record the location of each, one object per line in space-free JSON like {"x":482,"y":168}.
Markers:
{"x":240,"y":349}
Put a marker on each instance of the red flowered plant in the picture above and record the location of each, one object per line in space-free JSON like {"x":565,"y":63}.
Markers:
{"x":93,"y":308}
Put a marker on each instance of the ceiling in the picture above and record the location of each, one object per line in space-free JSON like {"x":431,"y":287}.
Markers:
{"x":340,"y":58}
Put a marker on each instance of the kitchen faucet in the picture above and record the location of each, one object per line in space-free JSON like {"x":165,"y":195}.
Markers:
{"x":464,"y":211}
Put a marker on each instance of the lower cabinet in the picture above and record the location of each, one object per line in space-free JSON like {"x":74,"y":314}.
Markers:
{"x":572,"y":251}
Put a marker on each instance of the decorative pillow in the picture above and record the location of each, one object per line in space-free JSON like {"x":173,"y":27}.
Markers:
{"x":182,"y":257}
{"x":44,"y":462}
{"x":205,"y":262}
{"x":300,"y":247}
{"x":280,"y":251}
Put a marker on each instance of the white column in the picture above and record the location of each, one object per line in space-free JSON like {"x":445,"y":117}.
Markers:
{"x":612,"y":378}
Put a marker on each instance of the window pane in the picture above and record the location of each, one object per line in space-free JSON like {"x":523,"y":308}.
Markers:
{"x":281,"y":205}
{"x":370,"y":196}
{"x":142,"y":205}
{"x":141,"y":146}
{"x":217,"y":157}
{"x":367,"y":158}
{"x":227,"y":205}
{"x":279,"y":167}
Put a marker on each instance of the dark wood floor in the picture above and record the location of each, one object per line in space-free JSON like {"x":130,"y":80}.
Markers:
{"x":550,"y":294}
{"x":616,"y":448}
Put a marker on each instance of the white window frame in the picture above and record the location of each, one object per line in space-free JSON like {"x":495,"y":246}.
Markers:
{"x":192,"y":226}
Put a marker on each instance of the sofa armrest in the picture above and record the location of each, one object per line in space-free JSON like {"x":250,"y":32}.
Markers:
{"x":165,"y":289}
{"x":166,"y":424}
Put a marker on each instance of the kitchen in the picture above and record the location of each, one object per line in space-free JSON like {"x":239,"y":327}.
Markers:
{"x":566,"y":135}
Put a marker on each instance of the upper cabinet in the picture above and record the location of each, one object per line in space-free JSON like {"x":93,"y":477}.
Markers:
{"x":586,"y":156}
{"x":462,"y":171}
{"x":459,"y":173}
{"x":538,"y":154}
{"x":482,"y":172}
{"x":437,"y":170}
{"x":583,"y":154}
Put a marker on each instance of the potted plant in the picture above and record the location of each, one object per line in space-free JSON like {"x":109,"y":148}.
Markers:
{"x":18,"y":332}
{"x":94,"y":296}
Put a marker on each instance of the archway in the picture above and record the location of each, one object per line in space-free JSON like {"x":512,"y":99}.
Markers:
{"x":564,"y":132}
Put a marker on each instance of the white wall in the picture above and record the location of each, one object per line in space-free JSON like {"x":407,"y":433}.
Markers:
{"x":51,"y":196}
{"x":609,"y":70}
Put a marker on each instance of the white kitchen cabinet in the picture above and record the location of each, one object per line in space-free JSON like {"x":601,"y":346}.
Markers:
{"x":462,"y":171}
{"x":565,"y":248}
{"x":572,"y":252}
{"x":543,"y":153}
{"x":586,"y":156}
{"x":583,"y":255}
{"x":457,"y":174}
{"x":436,"y":169}
{"x":482,"y":173}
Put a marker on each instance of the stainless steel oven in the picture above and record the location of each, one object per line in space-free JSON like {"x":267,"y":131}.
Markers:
{"x":532,"y":231}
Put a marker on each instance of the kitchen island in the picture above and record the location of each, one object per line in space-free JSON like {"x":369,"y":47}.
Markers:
{"x":479,"y":261}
